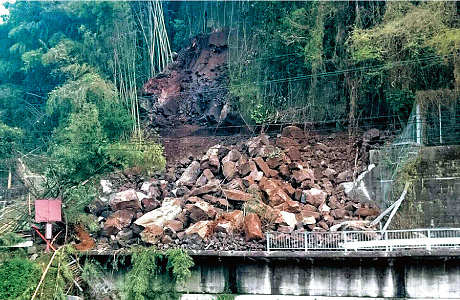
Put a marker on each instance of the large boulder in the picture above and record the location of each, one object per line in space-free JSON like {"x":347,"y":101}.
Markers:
{"x":288,"y":219}
{"x":200,"y":210}
{"x":205,"y":189}
{"x":229,"y":169}
{"x":230,"y":222}
{"x":293,"y":132}
{"x":117,"y":221}
{"x":303,"y":174}
{"x":152,"y":234}
{"x":211,"y":159}
{"x":170,"y":209}
{"x":275,"y":193}
{"x":203,"y":229}
{"x":315,"y":196}
{"x":252,"y":227}
{"x":190,"y":174}
{"x":125,"y":199}
{"x":236,"y":195}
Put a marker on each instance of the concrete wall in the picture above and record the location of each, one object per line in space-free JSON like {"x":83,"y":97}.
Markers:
{"x":351,"y":277}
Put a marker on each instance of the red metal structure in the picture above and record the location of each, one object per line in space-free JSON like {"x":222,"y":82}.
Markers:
{"x":48,"y":211}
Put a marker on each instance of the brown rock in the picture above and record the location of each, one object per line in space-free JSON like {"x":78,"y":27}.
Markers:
{"x":216,"y":201}
{"x":262,"y":166}
{"x":206,"y":189}
{"x":252,"y":227}
{"x":284,"y":170}
{"x":229,"y":169}
{"x":150,"y":204}
{"x":260,"y":146}
{"x":125,"y":199}
{"x":315,"y":196}
{"x":276,"y":195}
{"x":244,"y":169}
{"x":298,"y":195}
{"x":174,"y":225}
{"x":199,"y":211}
{"x":289,"y":206}
{"x":273,"y":162}
{"x":230,"y":223}
{"x":203,"y":229}
{"x":208,"y":174}
{"x":152,"y":234}
{"x":166,"y":239}
{"x":293,"y":132}
{"x":236,"y":195}
{"x":285,"y":143}
{"x":202,"y":180}
{"x":302,"y":175}
{"x":343,"y":176}
{"x":190,"y":175}
{"x":333,"y":202}
{"x":365,"y":212}
{"x":339,"y":213}
{"x":305,"y":218}
{"x":117,"y":221}
{"x":329,"y":173}
{"x":323,"y":147}
{"x":211,"y":161}
{"x":293,"y":153}
{"x":233,"y":155}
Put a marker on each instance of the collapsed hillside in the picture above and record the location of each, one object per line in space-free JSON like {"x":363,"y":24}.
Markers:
{"x":228,"y":198}
{"x":194,"y":88}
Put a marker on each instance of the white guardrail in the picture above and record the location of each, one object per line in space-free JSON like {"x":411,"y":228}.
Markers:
{"x":365,"y":240}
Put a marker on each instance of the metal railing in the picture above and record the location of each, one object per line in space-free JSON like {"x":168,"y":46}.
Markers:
{"x":365,"y":240}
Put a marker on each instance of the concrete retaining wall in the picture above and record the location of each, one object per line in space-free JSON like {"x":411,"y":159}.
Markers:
{"x":405,"y":277}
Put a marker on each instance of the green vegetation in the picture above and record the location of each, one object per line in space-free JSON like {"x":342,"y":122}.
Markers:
{"x":18,"y":278}
{"x":144,"y":282}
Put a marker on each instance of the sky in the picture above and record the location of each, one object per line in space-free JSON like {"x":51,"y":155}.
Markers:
{"x":3,"y":10}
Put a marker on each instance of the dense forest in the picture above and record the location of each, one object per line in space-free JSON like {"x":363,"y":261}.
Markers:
{"x":70,"y":72}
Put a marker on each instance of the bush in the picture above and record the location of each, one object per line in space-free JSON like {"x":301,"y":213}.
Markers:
{"x":145,"y":155}
{"x":18,"y":278}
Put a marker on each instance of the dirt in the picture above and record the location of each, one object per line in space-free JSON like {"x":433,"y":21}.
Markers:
{"x":86,"y":241}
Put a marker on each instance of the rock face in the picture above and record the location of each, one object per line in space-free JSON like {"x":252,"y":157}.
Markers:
{"x":290,"y":183}
{"x":177,"y":95}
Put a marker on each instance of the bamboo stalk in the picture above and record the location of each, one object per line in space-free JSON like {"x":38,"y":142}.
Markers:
{"x":44,"y":274}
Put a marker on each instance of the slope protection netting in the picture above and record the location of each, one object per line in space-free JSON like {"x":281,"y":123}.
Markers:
{"x":393,"y":157}
{"x":433,"y":171}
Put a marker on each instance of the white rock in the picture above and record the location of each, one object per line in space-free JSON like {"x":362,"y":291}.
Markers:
{"x":289,"y":219}
{"x":169,"y":210}
{"x":141,"y":196}
{"x":106,"y":186}
{"x":146,"y":186}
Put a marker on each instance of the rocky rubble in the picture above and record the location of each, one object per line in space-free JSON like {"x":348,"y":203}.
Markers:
{"x":228,"y":198}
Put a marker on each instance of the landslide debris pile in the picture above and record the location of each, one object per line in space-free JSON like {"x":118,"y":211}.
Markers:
{"x":194,"y":88}
{"x":228,"y":198}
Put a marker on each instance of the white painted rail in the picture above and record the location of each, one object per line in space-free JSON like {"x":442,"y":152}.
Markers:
{"x":365,"y":240}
